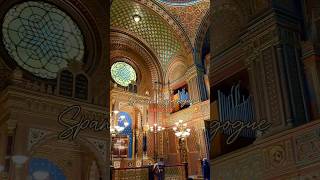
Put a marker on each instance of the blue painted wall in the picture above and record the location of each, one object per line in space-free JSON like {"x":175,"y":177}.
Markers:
{"x":127,"y":131}
{"x":38,"y":164}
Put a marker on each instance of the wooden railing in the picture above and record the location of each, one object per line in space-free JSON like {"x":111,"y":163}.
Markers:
{"x":171,"y":172}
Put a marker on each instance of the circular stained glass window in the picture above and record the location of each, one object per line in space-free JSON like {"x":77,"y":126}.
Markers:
{"x":41,"y":38}
{"x":123,"y":73}
{"x":180,"y":2}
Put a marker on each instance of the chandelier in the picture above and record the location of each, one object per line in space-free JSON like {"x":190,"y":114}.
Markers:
{"x":115,"y":128}
{"x":181,"y":130}
{"x":156,"y":128}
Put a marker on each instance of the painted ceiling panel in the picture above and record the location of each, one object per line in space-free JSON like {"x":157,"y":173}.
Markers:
{"x":152,"y":28}
{"x":189,"y":15}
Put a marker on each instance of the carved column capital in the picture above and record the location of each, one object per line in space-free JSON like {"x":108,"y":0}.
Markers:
{"x":11,"y":125}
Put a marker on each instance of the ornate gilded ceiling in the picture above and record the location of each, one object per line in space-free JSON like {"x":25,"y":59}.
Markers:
{"x":169,"y":27}
{"x":151,"y":28}
{"x":189,"y":16}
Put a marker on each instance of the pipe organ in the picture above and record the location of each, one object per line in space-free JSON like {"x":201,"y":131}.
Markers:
{"x":236,"y":107}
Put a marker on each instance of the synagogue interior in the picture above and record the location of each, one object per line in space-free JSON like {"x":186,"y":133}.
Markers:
{"x":159,"y":89}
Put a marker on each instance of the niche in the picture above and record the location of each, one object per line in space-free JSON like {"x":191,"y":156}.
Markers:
{"x":231,"y":101}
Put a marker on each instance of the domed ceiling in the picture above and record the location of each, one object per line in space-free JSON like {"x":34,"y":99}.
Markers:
{"x":152,"y":28}
{"x":169,"y":27}
{"x":189,"y":13}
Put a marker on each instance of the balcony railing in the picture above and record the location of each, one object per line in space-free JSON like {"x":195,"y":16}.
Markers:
{"x":171,"y":172}
{"x":142,"y":173}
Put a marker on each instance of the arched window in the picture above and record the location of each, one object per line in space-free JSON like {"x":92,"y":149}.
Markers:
{"x":41,"y":38}
{"x":123,"y":73}
{"x":81,"y":87}
{"x":66,"y":83}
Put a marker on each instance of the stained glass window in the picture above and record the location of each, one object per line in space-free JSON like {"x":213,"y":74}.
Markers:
{"x":122,"y":73}
{"x":66,"y":83}
{"x":41,"y":38}
{"x":81,"y":87}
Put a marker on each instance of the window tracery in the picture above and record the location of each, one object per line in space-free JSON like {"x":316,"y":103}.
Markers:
{"x":123,"y":73}
{"x":41,"y":38}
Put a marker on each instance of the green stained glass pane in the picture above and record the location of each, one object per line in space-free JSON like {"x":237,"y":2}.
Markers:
{"x":41,"y":38}
{"x":122,"y":73}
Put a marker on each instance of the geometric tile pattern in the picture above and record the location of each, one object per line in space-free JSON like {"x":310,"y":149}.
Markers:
{"x":189,"y":16}
{"x":152,"y":28}
{"x":41,"y":38}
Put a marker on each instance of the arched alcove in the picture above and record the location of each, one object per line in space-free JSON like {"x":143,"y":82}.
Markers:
{"x":45,"y":165}
{"x":127,"y":131}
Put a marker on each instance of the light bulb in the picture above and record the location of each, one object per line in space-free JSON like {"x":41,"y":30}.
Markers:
{"x":136,"y":18}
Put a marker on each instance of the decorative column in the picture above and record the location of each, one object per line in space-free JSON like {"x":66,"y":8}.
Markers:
{"x":183,"y":151}
{"x":311,"y":61}
{"x":184,"y":155}
{"x":196,"y":85}
{"x":8,"y":168}
{"x":3,"y":147}
{"x":19,"y":162}
{"x":2,"y":150}
{"x":275,"y":75}
{"x":145,"y":129}
{"x":206,"y":81}
{"x":139,"y":135}
{"x":19,"y":158}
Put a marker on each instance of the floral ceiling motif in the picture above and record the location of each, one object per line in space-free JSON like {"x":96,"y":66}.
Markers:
{"x":151,"y":27}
